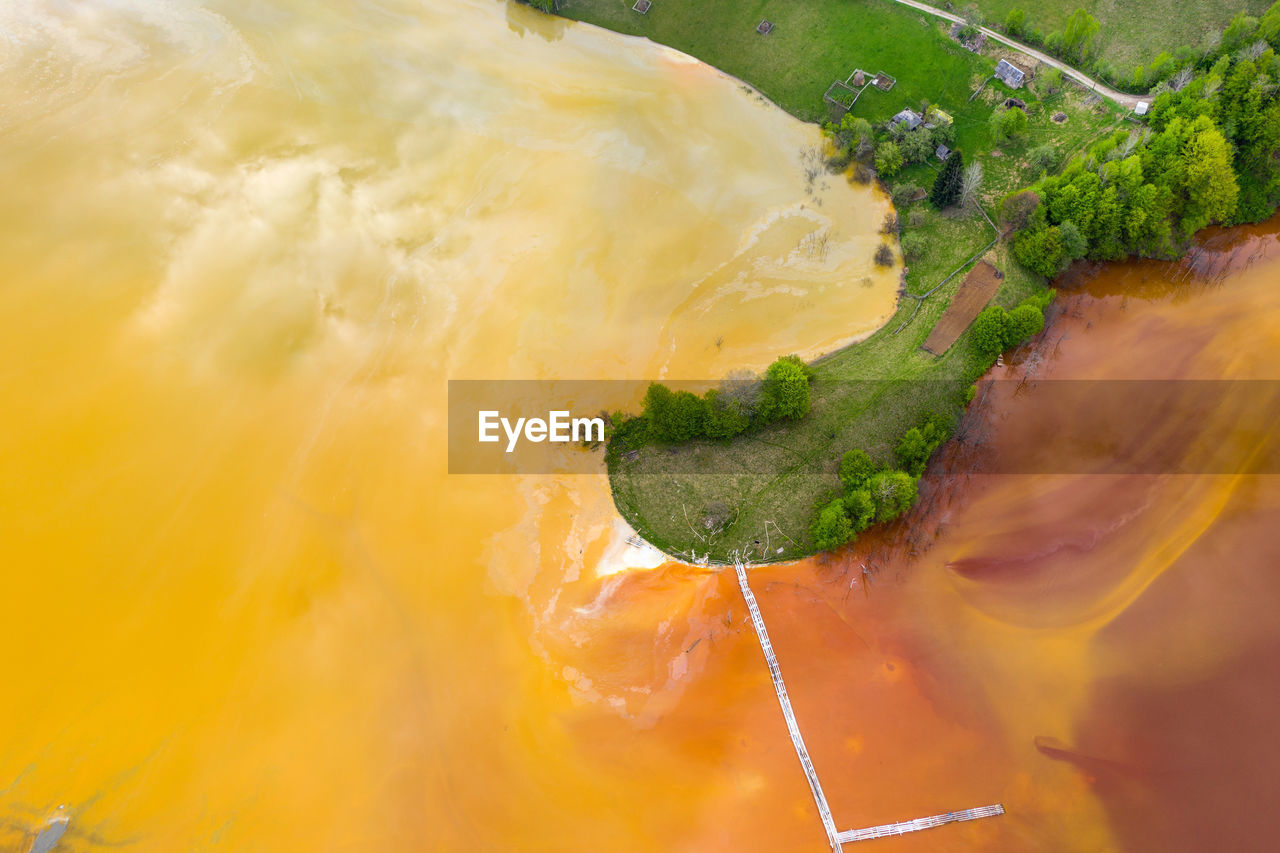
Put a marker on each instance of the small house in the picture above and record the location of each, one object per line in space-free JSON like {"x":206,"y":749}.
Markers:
{"x":942,"y":152}
{"x":907,"y":120}
{"x":1141,"y":108}
{"x":1010,"y":74}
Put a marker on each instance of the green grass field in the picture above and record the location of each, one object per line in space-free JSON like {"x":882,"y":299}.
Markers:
{"x":1133,"y":31}
{"x":812,"y":44}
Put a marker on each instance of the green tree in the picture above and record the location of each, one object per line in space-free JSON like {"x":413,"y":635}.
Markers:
{"x":892,"y":493}
{"x":726,"y":415}
{"x":856,"y":135}
{"x":860,"y":509}
{"x":687,"y":417}
{"x":1010,"y":123}
{"x":785,"y":391}
{"x":949,"y":184}
{"x":856,"y":468}
{"x":916,"y":147}
{"x":988,"y":330}
{"x":1015,"y":22}
{"x":1044,"y":158}
{"x":1210,"y":182}
{"x":913,"y":451}
{"x":888,"y":159}
{"x":1082,"y":32}
{"x":1040,"y":250}
{"x":831,"y":526}
{"x":657,"y":408}
{"x":1074,"y":245}
{"x":1023,"y":323}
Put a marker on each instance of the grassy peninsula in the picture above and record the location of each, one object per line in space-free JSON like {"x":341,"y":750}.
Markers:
{"x":1052,"y":173}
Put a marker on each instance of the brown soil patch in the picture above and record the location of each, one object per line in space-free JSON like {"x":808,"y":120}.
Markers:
{"x":975,"y":292}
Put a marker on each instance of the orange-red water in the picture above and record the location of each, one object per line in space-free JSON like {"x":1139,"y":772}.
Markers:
{"x":246,"y":609}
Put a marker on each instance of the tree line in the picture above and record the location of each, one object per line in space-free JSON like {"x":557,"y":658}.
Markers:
{"x":741,"y":403}
{"x":1206,"y":156}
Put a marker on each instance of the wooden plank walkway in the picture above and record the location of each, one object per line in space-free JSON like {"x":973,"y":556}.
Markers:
{"x":793,"y":728}
{"x":887,"y":829}
{"x":836,"y":839}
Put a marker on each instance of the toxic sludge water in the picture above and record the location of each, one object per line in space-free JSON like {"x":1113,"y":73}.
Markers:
{"x":243,"y":246}
{"x":245,"y":608}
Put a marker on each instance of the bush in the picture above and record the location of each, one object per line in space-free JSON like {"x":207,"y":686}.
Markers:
{"x":903,"y":194}
{"x":1018,"y":208}
{"x":884,"y":255}
{"x":890,"y":225}
{"x":856,"y":470}
{"x":915,"y":218}
{"x":988,"y":331}
{"x":831,"y":527}
{"x":913,"y":244}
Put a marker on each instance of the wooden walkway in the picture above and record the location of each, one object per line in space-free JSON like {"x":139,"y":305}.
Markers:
{"x":887,"y":829}
{"x":824,"y":811}
{"x":836,"y":839}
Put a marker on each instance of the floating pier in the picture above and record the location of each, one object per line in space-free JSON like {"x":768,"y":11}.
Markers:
{"x":835,"y":838}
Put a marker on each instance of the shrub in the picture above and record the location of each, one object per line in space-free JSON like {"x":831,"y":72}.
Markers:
{"x":903,"y":194}
{"x":915,"y":218}
{"x":856,"y":469}
{"x":890,"y":225}
{"x":913,"y":244}
{"x":884,"y":255}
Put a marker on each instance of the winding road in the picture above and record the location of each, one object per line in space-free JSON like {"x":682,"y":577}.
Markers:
{"x":1080,"y":77}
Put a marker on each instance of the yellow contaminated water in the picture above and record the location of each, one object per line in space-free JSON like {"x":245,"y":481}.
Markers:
{"x":242,"y":249}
